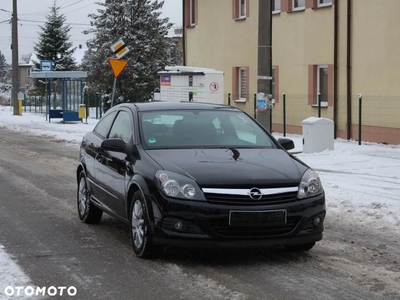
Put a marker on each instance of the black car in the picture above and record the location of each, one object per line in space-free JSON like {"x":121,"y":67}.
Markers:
{"x":199,"y":175}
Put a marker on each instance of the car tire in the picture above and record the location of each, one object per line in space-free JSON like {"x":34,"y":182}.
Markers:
{"x":301,"y":247}
{"x":141,"y":235}
{"x":88,"y":213}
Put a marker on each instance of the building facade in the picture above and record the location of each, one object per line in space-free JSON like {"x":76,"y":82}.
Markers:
{"x":339,"y":52}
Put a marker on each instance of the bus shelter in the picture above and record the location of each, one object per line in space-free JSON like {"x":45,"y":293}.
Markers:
{"x":64,"y":93}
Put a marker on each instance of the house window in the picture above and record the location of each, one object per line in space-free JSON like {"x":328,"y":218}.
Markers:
{"x":28,"y":72}
{"x":192,"y":14}
{"x":322,"y":3}
{"x":276,"y":6}
{"x":190,"y":80}
{"x":322,"y":83}
{"x":242,"y":8}
{"x":242,"y":83}
{"x":299,"y":4}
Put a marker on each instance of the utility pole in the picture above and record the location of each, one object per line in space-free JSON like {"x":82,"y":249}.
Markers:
{"x":15,"y":59}
{"x":264,"y":81}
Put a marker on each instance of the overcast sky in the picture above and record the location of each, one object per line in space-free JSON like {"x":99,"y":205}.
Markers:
{"x":31,"y":14}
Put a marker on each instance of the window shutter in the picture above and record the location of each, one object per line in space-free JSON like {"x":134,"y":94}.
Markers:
{"x":235,"y":9}
{"x":331,"y":84}
{"x":312,"y":84}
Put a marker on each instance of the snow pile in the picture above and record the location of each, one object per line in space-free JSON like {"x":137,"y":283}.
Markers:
{"x":361,"y":182}
{"x":11,"y":275}
{"x":5,"y":93}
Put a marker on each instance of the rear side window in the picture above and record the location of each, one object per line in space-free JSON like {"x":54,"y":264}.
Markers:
{"x":103,"y":127}
{"x":122,"y":127}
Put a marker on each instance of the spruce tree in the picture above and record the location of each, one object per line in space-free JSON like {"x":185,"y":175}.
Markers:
{"x":54,"y":42}
{"x":3,"y":65}
{"x":139,"y":25}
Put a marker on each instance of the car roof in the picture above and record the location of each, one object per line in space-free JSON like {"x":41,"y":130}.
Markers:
{"x":155,"y":106}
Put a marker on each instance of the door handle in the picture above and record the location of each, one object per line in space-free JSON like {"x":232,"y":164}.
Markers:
{"x":99,"y":157}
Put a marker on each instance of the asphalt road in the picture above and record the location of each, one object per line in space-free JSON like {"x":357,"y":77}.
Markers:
{"x":40,"y":228}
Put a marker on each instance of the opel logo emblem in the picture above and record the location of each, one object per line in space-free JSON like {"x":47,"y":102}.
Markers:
{"x":255,"y":194}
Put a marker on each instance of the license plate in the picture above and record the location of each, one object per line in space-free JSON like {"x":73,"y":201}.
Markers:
{"x":257,"y":218}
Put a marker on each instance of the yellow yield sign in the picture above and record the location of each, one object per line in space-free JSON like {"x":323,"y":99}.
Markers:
{"x":117,"y":66}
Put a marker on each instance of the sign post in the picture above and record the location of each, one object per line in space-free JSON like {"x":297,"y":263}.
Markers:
{"x":117,"y":65}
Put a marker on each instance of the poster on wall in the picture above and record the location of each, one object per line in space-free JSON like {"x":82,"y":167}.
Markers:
{"x":165,"y":80}
{"x":261,"y":102}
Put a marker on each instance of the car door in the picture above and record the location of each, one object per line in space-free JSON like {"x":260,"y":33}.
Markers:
{"x":91,"y":147}
{"x":111,"y":167}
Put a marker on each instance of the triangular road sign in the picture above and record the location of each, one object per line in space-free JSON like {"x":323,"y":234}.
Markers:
{"x":117,"y":66}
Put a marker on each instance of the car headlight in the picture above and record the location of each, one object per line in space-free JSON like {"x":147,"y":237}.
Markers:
{"x":178,"y":186}
{"x":310,"y":185}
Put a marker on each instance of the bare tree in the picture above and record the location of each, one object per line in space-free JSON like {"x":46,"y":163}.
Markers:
{"x":26,"y":58}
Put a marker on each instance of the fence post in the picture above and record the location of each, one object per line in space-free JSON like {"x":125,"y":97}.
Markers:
{"x":255,"y":106}
{"x":96,"y":104}
{"x":359,"y":118}
{"x":319,"y":105}
{"x":25,"y":102}
{"x":229,"y":98}
{"x":284,"y":114}
{"x":101,"y":110}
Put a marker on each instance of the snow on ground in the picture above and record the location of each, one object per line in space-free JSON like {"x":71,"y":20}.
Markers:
{"x":10,"y":275}
{"x":36,"y":124}
{"x":362,"y":183}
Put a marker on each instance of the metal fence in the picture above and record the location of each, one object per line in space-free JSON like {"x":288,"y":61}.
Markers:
{"x":363,"y":117}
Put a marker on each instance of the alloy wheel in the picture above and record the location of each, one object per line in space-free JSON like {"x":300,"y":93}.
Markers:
{"x":138,"y":230}
{"x":82,"y":196}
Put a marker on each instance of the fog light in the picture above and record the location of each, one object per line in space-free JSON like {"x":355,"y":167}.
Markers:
{"x":178,"y":225}
{"x":317,"y":221}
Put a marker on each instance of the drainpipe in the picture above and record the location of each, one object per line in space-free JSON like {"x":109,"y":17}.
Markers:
{"x":335,"y":67}
{"x":184,"y":32}
{"x":264,"y":59}
{"x":349,"y":73}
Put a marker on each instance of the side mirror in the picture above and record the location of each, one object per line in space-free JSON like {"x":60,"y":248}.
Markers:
{"x":287,"y":144}
{"x":117,"y":145}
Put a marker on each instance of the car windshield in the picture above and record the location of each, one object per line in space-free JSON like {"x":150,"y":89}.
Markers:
{"x":174,"y":129}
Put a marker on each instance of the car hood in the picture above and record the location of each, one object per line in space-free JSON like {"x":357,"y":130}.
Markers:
{"x":239,"y":168}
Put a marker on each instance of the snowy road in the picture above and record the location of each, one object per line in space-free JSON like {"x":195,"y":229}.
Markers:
{"x":359,"y":257}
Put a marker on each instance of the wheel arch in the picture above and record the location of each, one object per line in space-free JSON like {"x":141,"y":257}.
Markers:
{"x":81,"y":167}
{"x":138,"y":184}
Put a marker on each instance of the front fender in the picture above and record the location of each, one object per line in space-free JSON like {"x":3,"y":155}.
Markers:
{"x":81,"y":167}
{"x":137,"y":182}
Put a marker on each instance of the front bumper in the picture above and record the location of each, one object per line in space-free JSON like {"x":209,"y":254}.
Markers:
{"x":207,"y":225}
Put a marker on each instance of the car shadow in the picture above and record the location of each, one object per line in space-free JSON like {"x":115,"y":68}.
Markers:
{"x":211,"y":256}
{"x":234,"y":256}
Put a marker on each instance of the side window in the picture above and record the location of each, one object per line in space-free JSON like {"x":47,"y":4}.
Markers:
{"x":104,"y":125}
{"x":122,"y":127}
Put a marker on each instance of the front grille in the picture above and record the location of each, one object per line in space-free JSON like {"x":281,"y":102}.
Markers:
{"x":222,"y":228}
{"x":246,"y":200}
